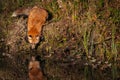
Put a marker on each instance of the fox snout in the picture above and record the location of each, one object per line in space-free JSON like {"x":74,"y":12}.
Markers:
{"x":33,"y":40}
{"x":33,"y":46}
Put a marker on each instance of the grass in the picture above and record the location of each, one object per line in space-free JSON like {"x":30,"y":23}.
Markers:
{"x":86,"y":41}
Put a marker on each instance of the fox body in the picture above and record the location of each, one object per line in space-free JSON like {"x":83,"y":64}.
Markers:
{"x":35,"y":72}
{"x":36,"y":18}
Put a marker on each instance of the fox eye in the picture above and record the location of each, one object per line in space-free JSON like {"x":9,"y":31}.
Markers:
{"x":30,"y":36}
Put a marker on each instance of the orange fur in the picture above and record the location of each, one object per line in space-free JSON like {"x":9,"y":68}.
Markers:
{"x":36,"y":19}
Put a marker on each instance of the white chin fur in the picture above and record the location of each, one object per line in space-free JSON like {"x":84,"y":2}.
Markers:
{"x":33,"y":46}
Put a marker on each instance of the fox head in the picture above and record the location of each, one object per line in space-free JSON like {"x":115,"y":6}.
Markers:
{"x":33,"y":37}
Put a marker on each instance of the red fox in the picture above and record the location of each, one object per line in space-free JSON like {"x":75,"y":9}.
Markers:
{"x":35,"y":72}
{"x":36,"y":18}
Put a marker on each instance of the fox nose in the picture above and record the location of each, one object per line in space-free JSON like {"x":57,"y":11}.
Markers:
{"x":33,"y":46}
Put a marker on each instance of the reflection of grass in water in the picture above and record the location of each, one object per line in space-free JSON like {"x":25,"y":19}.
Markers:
{"x":89,"y":73}
{"x":86,"y":72}
{"x":114,"y":71}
